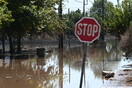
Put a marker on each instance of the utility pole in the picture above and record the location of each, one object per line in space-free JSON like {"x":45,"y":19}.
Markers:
{"x":83,"y":8}
{"x":102,"y":32}
{"x":60,"y":48}
{"x":69,"y":26}
{"x":117,"y":2}
{"x":61,"y":34}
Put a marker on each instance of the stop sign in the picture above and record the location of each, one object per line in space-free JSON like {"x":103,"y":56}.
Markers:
{"x":87,"y":29}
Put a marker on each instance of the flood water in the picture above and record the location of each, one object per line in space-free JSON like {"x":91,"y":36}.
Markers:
{"x":61,"y":69}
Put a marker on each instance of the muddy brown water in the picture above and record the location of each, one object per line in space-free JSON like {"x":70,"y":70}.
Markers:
{"x":63,"y":69}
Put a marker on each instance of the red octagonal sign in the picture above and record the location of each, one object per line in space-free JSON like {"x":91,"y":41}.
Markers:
{"x":87,"y":29}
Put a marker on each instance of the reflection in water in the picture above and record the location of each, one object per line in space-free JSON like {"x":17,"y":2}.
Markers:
{"x":60,"y":69}
{"x":60,"y":57}
{"x":28,"y":73}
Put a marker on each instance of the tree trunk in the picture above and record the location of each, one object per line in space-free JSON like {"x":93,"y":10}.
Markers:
{"x":19,"y":45}
{"x":3,"y":46}
{"x":11,"y":45}
{"x":102,"y":34}
{"x":60,"y":41}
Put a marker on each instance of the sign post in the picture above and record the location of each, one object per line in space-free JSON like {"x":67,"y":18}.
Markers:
{"x":87,"y":30}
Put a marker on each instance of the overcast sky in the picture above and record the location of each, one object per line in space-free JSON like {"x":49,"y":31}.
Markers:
{"x":77,"y":4}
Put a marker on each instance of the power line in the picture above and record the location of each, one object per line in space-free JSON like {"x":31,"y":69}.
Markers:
{"x":91,"y":1}
{"x":86,"y":2}
{"x":78,"y":1}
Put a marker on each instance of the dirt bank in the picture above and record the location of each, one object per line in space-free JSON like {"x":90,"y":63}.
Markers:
{"x":121,"y":79}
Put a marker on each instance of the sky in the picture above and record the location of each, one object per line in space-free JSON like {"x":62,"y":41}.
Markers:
{"x":73,"y":5}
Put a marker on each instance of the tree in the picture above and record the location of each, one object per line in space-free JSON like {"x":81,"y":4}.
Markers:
{"x":23,"y":21}
{"x":31,"y":15}
{"x":119,"y":18}
{"x":5,"y":19}
{"x":116,"y":18}
{"x":99,"y":12}
{"x":71,"y":19}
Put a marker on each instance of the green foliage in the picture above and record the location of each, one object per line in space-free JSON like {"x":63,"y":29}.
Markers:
{"x":34,"y":15}
{"x":116,"y":19}
{"x":72,"y":18}
{"x":5,"y":14}
{"x":99,"y":10}
{"x":30,"y":16}
{"x":119,"y":18}
{"x":5,"y":18}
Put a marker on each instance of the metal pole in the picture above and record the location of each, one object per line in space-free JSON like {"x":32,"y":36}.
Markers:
{"x":84,"y":52}
{"x":83,"y":63}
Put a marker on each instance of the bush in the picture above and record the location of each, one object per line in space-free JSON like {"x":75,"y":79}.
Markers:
{"x":126,"y":42}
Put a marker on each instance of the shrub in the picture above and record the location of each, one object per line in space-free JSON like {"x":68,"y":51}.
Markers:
{"x":126,"y":42}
